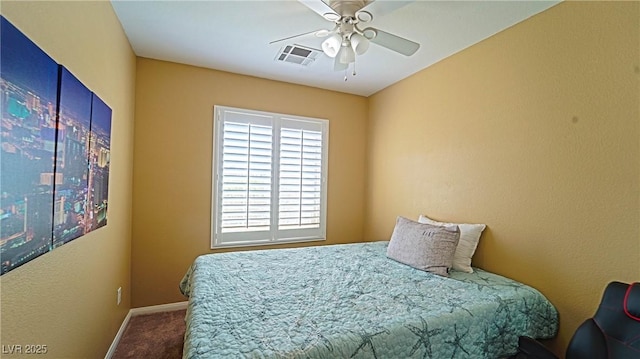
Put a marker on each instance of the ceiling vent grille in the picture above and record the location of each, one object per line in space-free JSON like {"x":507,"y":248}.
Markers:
{"x":296,"y":54}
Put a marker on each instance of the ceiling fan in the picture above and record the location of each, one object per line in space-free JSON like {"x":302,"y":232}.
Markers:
{"x":347,"y":38}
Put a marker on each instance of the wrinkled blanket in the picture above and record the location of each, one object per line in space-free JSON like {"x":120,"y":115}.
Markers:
{"x":351,"y":301}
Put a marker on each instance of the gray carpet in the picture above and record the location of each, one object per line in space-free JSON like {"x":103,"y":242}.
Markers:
{"x":157,"y":335}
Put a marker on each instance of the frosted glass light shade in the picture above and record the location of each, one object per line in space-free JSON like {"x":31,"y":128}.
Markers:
{"x":339,"y":66}
{"x":359,"y":43}
{"x":332,"y":45}
{"x":346,"y":55}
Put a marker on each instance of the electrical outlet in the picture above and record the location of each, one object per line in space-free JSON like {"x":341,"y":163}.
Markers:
{"x":119,"y":295}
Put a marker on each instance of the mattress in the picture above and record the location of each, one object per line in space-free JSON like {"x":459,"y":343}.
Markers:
{"x":351,"y":301}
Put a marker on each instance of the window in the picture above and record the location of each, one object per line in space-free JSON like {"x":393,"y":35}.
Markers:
{"x":269,"y":178}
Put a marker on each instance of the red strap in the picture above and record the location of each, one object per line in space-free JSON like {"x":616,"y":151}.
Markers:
{"x":626,"y":305}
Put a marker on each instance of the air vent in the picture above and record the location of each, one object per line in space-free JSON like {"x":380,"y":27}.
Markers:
{"x":296,"y":54}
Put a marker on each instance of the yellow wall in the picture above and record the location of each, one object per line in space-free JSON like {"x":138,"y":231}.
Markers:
{"x":535,"y":132}
{"x":66,"y":299}
{"x":172,"y":178}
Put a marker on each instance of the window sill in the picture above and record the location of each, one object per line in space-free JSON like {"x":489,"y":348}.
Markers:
{"x":266,"y":243}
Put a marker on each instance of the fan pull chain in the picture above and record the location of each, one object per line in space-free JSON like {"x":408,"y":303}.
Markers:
{"x":347,"y":69}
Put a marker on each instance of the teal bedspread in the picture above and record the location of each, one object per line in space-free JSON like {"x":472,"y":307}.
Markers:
{"x":350,"y":301}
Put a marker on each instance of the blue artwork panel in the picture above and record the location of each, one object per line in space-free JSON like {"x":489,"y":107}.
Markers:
{"x":71,"y":217}
{"x":28,"y":101}
{"x":99,"y":160}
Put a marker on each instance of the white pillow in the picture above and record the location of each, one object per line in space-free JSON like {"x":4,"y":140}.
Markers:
{"x":469,"y":238}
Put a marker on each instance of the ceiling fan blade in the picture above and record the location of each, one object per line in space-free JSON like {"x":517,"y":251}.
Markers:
{"x":318,"y":33}
{"x":391,"y":41}
{"x":322,"y":9}
{"x":381,"y":8}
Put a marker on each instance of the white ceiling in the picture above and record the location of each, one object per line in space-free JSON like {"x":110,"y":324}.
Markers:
{"x":234,"y":36}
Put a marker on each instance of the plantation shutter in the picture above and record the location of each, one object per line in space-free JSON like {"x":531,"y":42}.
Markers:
{"x":245,"y":177}
{"x":269,"y":178}
{"x":300,"y":176}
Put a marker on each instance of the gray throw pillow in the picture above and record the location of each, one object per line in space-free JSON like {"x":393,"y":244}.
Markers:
{"x":423,"y":246}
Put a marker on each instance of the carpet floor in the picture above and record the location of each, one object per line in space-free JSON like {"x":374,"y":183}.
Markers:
{"x":157,"y":335}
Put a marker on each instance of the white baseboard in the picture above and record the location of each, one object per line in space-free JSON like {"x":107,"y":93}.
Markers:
{"x":159,"y":308}
{"x":116,"y":340}
{"x":140,"y":311}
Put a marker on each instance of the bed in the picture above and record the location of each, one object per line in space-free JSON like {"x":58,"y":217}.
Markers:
{"x":351,"y":301}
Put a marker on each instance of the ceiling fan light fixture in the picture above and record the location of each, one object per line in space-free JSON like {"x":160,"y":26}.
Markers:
{"x":359,"y":43}
{"x":332,"y":45}
{"x":346,"y":55}
{"x":339,"y":66}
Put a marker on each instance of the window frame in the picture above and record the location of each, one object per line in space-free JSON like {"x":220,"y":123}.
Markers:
{"x":273,"y":235}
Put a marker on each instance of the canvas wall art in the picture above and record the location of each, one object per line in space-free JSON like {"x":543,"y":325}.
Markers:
{"x":70,"y":215}
{"x":100,"y":158}
{"x":55,"y":137}
{"x":29,"y":85}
